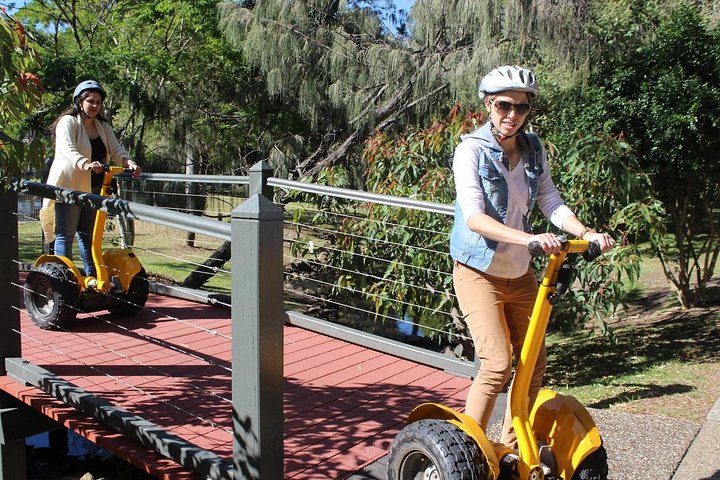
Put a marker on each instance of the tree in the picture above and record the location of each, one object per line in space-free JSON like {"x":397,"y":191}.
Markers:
{"x":342,"y":68}
{"x":20,"y":92}
{"x":659,"y":86}
{"x":178,"y":94}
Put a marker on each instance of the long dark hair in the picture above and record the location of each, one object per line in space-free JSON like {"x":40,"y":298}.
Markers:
{"x":74,"y":111}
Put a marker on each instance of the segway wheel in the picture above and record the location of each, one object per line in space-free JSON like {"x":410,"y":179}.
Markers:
{"x":434,"y":450}
{"x":593,"y":467}
{"x":51,"y":295}
{"x":134,"y":300}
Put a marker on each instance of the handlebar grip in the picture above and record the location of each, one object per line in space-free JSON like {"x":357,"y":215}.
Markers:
{"x":535,"y":249}
{"x":593,"y":251}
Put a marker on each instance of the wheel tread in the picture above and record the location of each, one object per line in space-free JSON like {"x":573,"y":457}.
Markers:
{"x":451,"y":450}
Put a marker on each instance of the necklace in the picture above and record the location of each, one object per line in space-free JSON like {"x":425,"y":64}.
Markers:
{"x":511,"y":159}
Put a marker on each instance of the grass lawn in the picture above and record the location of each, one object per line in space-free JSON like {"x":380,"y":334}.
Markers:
{"x":661,"y":358}
{"x":162,"y":251}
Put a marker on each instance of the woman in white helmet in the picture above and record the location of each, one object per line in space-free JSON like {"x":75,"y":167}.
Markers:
{"x":501,"y":172}
{"x":84,"y":142}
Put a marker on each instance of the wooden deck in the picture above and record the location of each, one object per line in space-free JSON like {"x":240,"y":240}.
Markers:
{"x":170,"y":364}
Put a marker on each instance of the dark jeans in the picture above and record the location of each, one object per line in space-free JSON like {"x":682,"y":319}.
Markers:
{"x":69,"y":221}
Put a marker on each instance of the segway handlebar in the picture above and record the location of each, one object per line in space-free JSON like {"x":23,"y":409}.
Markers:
{"x":590,"y":250}
{"x":116,"y":170}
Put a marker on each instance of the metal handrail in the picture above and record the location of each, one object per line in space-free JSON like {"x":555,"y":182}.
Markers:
{"x":134,"y":210}
{"x":359,"y":195}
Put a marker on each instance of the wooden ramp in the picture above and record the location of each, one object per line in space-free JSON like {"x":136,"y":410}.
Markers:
{"x":171,"y":365}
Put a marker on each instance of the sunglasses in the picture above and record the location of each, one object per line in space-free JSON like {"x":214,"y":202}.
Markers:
{"x":505,"y":107}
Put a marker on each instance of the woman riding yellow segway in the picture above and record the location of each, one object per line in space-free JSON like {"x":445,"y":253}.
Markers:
{"x":56,"y":290}
{"x":501,"y":173}
{"x":558,"y":440}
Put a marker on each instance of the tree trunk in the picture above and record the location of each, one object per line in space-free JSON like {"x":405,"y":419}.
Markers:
{"x":190,"y":192}
{"x":205,"y":272}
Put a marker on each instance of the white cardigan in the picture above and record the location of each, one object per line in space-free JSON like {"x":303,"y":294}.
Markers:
{"x":72,"y":155}
{"x":73,"y":152}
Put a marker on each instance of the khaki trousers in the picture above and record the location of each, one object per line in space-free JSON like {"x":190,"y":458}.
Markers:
{"x":497,"y":312}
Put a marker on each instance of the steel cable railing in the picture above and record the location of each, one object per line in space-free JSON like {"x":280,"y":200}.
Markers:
{"x":343,"y":275}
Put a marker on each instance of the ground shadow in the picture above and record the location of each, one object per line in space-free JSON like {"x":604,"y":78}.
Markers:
{"x":637,"y":344}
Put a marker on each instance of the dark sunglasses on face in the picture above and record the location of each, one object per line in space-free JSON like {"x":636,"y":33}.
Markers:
{"x":505,"y":107}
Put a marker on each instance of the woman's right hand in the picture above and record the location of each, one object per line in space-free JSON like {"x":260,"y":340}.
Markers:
{"x":96,"y":167}
{"x":548,"y":241}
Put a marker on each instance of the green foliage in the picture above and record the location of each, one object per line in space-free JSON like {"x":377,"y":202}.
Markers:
{"x":20,"y":92}
{"x":178,"y":94}
{"x":413,"y":278}
{"x":658,"y":84}
{"x":600,"y":179}
{"x":394,"y":261}
{"x":348,"y":74}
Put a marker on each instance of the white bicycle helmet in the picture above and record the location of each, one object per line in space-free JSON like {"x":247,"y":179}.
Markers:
{"x":88,"y":85}
{"x":508,"y":77}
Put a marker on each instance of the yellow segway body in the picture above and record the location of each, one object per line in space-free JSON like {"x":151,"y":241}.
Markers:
{"x":563,"y":423}
{"x":123,"y":264}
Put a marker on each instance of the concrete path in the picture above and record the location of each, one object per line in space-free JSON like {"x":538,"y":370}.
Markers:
{"x":702,"y":459}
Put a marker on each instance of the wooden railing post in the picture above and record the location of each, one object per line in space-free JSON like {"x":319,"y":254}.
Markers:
{"x":257,"y":339}
{"x":12,"y":449}
{"x":259,"y":173}
{"x":9,"y":294}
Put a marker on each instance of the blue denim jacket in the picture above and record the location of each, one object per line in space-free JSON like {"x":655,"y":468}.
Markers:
{"x":468,"y":247}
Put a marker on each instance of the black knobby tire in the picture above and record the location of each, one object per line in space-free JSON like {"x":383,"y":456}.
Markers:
{"x":593,"y":467}
{"x":437,"y":450}
{"x":51,"y":295}
{"x":134,"y":300}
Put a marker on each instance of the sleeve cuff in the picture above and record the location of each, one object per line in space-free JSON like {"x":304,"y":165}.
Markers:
{"x":559,"y":216}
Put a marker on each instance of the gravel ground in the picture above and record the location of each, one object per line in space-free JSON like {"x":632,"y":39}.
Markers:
{"x":643,"y":446}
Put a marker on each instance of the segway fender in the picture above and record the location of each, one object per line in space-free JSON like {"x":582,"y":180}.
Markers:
{"x":564,"y":424}
{"x":123,"y":264}
{"x":466,"y":423}
{"x":44,"y":258}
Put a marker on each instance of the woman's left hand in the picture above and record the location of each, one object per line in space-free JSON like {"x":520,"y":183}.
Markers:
{"x":605,"y":241}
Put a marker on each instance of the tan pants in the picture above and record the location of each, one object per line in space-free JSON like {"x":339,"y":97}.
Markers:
{"x":497,"y":312}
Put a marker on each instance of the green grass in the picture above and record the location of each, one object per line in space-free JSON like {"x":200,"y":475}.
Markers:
{"x":162,"y":252}
{"x":655,"y":362}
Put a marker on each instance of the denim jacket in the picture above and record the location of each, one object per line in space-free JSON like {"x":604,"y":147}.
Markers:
{"x":468,"y":247}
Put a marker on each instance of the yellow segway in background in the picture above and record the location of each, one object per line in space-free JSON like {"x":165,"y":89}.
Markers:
{"x":558,"y":440}
{"x":56,"y":290}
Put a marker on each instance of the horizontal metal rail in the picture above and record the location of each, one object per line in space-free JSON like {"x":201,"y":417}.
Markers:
{"x":346,"y":193}
{"x":185,"y":178}
{"x":137,"y":211}
{"x":361,"y":196}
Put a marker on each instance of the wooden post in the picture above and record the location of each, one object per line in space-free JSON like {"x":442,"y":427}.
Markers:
{"x":12,"y":450}
{"x":9,"y":294}
{"x":257,"y":339}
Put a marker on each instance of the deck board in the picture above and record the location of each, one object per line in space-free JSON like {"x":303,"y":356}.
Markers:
{"x":171,"y":363}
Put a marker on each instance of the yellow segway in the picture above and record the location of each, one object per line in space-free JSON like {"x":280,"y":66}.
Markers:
{"x":56,"y":290}
{"x":558,"y":440}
